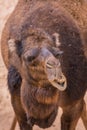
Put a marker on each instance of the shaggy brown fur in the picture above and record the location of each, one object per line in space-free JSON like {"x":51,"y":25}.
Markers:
{"x":78,"y":9}
{"x":35,"y":100}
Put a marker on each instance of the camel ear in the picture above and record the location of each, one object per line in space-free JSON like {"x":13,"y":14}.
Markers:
{"x":15,"y":46}
{"x":14,"y":53}
{"x":56,"y":39}
{"x":11,"y":45}
{"x":56,"y":50}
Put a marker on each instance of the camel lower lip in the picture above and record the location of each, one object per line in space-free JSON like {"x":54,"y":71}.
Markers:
{"x":61,"y":86}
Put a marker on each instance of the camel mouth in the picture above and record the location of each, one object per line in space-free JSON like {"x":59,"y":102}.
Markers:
{"x":54,"y":73}
{"x":60,"y":84}
{"x":56,"y":77}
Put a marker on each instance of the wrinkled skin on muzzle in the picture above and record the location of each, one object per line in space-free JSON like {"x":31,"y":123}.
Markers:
{"x":43,"y":65}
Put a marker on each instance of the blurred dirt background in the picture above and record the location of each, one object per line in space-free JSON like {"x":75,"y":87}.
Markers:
{"x":6,"y":111}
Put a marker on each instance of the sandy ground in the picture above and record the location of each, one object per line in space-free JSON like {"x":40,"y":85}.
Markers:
{"x":6,"y":111}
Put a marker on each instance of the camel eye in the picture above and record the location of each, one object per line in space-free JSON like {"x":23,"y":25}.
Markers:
{"x":31,"y":54}
{"x":30,"y":58}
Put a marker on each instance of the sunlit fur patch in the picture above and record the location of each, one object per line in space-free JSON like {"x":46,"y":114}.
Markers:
{"x":11,"y":44}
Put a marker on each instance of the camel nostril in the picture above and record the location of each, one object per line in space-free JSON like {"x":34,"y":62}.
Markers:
{"x":49,"y":66}
{"x":52,"y":64}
